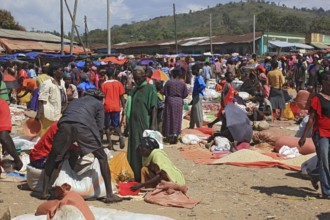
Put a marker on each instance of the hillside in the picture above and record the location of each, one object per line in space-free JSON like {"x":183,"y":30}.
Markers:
{"x":231,"y":18}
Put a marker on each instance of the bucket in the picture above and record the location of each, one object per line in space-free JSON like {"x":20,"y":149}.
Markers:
{"x":124,"y":189}
{"x":31,"y":127}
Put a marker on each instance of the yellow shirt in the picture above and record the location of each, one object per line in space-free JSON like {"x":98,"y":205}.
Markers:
{"x":275,"y":79}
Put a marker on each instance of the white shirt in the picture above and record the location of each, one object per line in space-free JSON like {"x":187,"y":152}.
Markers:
{"x":50,"y":93}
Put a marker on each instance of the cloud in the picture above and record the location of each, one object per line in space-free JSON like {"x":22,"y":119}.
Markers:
{"x":45,"y":14}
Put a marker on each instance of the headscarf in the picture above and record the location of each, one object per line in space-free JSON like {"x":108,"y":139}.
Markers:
{"x":149,"y":143}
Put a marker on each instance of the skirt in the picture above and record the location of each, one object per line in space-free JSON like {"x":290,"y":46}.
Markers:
{"x":276,"y":98}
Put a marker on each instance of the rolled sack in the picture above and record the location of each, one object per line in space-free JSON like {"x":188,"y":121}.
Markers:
{"x":289,"y":141}
{"x":303,"y":99}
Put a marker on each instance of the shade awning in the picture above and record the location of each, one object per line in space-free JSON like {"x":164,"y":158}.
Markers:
{"x":282,"y":44}
{"x":320,"y":46}
{"x":26,"y":46}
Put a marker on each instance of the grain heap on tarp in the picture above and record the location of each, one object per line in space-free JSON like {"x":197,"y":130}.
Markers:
{"x":244,"y":156}
{"x":250,"y":158}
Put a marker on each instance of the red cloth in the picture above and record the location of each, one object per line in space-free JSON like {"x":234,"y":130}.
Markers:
{"x":322,"y":122}
{"x":45,"y":144}
{"x":22,"y":73}
{"x":112,"y":89}
{"x":226,"y":99}
{"x":5,"y":118}
{"x":66,"y":197}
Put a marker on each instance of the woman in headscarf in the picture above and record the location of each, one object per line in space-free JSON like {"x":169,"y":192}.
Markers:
{"x":157,"y":166}
{"x":175,"y":90}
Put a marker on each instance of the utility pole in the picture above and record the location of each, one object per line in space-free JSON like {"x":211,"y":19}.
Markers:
{"x":62,"y":28}
{"x":175,"y":33}
{"x":86,"y":37}
{"x":73,"y":24}
{"x":254,"y":34}
{"x":108,"y":26}
{"x":211,"y":46}
{"x":75,"y":27}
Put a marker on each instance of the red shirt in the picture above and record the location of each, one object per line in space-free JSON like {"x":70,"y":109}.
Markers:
{"x":45,"y":144}
{"x":22,"y":73}
{"x":112,"y":89}
{"x":5,"y":118}
{"x":322,"y":122}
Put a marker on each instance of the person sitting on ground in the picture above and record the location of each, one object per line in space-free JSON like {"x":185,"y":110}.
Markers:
{"x":157,"y":166}
{"x":227,"y":95}
{"x":6,"y":141}
{"x":81,"y":122}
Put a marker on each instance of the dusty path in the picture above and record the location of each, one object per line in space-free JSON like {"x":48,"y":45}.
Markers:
{"x":227,"y":192}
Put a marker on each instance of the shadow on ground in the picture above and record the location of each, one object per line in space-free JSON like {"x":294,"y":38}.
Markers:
{"x":323,"y":216}
{"x":285,"y":190}
{"x":297,"y":175}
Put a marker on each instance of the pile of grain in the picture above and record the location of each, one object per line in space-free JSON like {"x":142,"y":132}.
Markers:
{"x":298,"y":160}
{"x":244,"y":156}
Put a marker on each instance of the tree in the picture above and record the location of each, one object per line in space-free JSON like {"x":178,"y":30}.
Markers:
{"x":7,"y":21}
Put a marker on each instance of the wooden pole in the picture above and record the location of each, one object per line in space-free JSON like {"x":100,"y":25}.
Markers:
{"x":75,"y":27}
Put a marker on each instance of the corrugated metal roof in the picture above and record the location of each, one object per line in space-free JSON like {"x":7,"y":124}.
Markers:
{"x":46,"y":37}
{"x":25,"y":45}
{"x":192,"y":41}
{"x":320,"y":45}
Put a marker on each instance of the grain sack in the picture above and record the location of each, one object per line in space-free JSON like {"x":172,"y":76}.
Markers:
{"x":34,"y":178}
{"x":260,"y":125}
{"x":269,"y":136}
{"x":308,"y":147}
{"x":303,"y":99}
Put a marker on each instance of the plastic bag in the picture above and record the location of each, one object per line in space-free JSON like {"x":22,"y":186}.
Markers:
{"x":120,"y":168}
{"x":221,"y":144}
{"x":190,"y":139}
{"x":155,"y":135}
{"x":287,"y":112}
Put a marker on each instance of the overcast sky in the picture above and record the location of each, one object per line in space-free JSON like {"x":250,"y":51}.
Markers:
{"x":44,"y":14}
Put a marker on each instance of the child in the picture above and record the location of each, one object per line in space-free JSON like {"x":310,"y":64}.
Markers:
{"x":156,"y":166}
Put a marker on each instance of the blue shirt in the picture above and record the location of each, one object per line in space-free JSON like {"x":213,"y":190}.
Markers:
{"x":32,"y":73}
{"x":207,"y":72}
{"x":199,"y":86}
{"x":166,"y":70}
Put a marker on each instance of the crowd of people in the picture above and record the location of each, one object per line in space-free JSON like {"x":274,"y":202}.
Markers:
{"x":81,"y":105}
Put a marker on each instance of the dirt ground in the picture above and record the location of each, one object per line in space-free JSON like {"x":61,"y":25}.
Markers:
{"x":226,"y":192}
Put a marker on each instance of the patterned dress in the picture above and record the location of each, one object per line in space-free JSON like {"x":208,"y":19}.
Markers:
{"x":175,"y":91}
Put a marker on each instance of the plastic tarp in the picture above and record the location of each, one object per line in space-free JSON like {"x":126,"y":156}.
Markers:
{"x":114,"y":60}
{"x":103,"y":214}
{"x":282,"y":44}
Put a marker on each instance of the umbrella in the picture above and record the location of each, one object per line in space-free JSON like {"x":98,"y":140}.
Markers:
{"x":159,"y":75}
{"x":238,"y":123}
{"x":146,"y":62}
